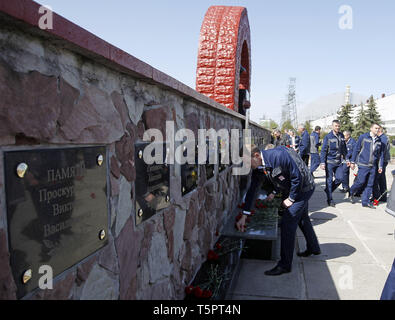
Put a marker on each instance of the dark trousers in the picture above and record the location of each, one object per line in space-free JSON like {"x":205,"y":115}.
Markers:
{"x":305,"y":158}
{"x":333,"y":171}
{"x":365,"y":178}
{"x":315,"y":162}
{"x":346,"y":177}
{"x":389,"y":287}
{"x":296,"y":215}
{"x":380,"y":185}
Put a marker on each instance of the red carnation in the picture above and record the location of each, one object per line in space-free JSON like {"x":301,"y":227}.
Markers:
{"x":207,"y":294}
{"x":189,"y":290}
{"x":376,"y":202}
{"x":218,"y":246}
{"x":212,"y":255}
{"x":355,"y":174}
{"x":198,"y":292}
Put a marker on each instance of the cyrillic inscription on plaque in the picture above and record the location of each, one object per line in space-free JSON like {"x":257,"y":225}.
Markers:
{"x":152,"y":182}
{"x":56,"y":209}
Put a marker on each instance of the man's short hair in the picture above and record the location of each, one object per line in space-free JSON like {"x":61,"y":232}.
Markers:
{"x":317,"y":128}
{"x":302,"y":126}
{"x":348,"y":133}
{"x":254,"y":149}
{"x":374,"y":124}
{"x":336,"y":121}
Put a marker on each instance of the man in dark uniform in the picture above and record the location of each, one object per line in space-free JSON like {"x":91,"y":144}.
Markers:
{"x":380,"y":186}
{"x":333,"y":149}
{"x":278,"y":138}
{"x":314,"y":145}
{"x":304,"y":145}
{"x":284,"y":171}
{"x":369,"y":156}
{"x":350,"y":144}
{"x":389,"y":287}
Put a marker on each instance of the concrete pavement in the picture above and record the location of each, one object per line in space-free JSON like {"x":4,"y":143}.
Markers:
{"x":358,"y":249}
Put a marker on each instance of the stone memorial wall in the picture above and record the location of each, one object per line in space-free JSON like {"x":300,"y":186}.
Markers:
{"x":74,"y":193}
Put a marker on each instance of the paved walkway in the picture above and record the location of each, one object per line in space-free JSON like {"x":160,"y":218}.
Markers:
{"x":358,"y":249}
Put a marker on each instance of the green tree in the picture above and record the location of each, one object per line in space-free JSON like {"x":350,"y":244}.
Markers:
{"x":371,"y":113}
{"x":273,"y":125}
{"x":308,"y":127}
{"x":287,"y":125}
{"x":362,"y":124}
{"x":344,"y":116}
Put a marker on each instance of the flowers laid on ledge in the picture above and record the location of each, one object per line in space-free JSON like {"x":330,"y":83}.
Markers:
{"x":264,"y":217}
{"x":216,"y":274}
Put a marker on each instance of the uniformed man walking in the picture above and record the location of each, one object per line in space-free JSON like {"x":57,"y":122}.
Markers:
{"x":332,"y":152}
{"x":350,"y":144}
{"x":285,"y":172}
{"x":314,"y":145}
{"x":380,"y":186}
{"x":369,"y":156}
{"x":304,"y":144}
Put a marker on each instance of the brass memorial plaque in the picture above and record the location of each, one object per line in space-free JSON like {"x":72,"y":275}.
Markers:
{"x":57,"y":212}
{"x":152,"y":183}
{"x":189,"y":174}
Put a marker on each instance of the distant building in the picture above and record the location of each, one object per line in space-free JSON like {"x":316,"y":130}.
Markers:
{"x":322,"y":111}
{"x":385,"y":105}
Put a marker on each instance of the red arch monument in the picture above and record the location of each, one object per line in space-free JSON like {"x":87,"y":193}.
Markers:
{"x":224,"y":57}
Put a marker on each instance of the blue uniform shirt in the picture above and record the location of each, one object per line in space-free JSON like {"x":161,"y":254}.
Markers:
{"x":333,"y":148}
{"x":285,"y":171}
{"x":350,"y":144}
{"x":368,"y":152}
{"x":314,"y":142}
{"x":386,"y":147}
{"x":304,"y":146}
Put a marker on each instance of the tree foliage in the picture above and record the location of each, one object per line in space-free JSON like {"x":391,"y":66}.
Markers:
{"x":287,"y":125}
{"x":308,"y":127}
{"x":362,"y":124}
{"x":344,"y":116}
{"x":372,"y":114}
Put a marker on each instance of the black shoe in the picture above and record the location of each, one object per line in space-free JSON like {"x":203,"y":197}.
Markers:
{"x":351,"y":197}
{"x":307,"y":253}
{"x":331,"y":203}
{"x":369,"y":205}
{"x":276,"y":271}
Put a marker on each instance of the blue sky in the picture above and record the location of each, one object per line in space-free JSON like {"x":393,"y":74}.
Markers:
{"x":289,"y":38}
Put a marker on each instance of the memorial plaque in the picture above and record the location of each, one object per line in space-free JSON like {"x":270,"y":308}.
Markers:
{"x":189,"y":175}
{"x":210,"y":167}
{"x":56,"y":209}
{"x":152,"y":183}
